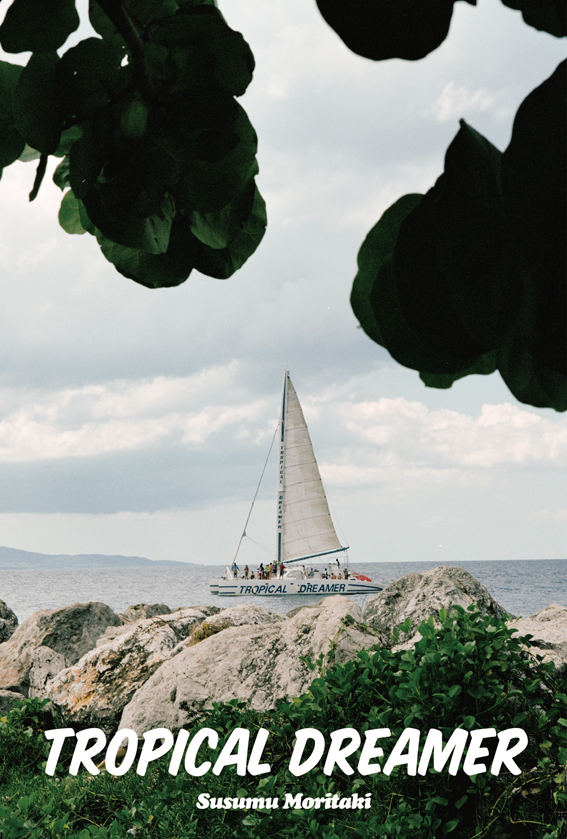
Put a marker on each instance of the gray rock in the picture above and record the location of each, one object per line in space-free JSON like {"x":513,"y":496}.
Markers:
{"x":549,"y":630}
{"x":293,"y":612}
{"x":94,"y":691}
{"x":144,"y":610}
{"x":45,"y":664}
{"x":421,"y":594}
{"x":206,"y":610}
{"x":9,"y":698}
{"x":70,"y":631}
{"x":261,"y":663}
{"x":8,"y":621}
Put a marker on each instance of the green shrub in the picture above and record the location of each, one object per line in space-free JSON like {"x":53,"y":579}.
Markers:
{"x":22,"y":745}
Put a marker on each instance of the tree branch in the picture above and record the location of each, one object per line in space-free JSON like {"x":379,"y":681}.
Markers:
{"x":124,"y":24}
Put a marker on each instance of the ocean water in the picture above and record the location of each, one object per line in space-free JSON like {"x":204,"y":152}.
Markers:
{"x":522,"y":587}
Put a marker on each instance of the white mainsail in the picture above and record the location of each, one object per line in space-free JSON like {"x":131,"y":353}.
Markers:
{"x":305,"y":527}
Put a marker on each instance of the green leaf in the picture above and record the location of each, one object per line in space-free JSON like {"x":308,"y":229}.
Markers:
{"x":89,"y":76}
{"x":37,"y":25}
{"x":136,"y":175}
{"x":529,"y":379}
{"x":448,"y":255}
{"x":9,"y":75}
{"x":86,"y":159}
{"x":68,"y":137}
{"x":61,"y":174}
{"x":476,"y":279}
{"x":149,"y":234}
{"x":224,"y":161}
{"x":134,"y":119}
{"x":223,"y":263}
{"x":11,"y":141}
{"x":376,"y":249}
{"x":155,"y":271}
{"x":376,"y":303}
{"x":546,"y":15}
{"x":479,"y":274}
{"x":533,"y":182}
{"x":381,"y":29}
{"x":203,"y":51}
{"x":85,"y":220}
{"x":36,"y":105}
{"x":102,"y":24}
{"x":29,"y":154}
{"x":230,"y":235}
{"x":484,"y":366}
{"x":69,"y":217}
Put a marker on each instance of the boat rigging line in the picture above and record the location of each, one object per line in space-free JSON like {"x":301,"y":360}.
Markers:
{"x":254,"y":501}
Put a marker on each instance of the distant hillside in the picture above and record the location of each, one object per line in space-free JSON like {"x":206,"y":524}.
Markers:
{"x":16,"y":559}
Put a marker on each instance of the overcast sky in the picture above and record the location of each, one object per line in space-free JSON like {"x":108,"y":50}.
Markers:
{"x":137,"y":422}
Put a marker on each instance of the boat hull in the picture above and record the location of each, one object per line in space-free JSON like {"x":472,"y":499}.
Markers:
{"x":282,"y":587}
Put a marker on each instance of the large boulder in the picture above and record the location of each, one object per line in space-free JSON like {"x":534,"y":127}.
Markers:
{"x":549,"y":630}
{"x":421,"y":594}
{"x":8,"y":621}
{"x":94,"y":691}
{"x":141,"y":611}
{"x":260,"y":663}
{"x":70,"y":631}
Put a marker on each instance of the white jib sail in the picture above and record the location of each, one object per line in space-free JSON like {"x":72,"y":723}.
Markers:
{"x":306,"y":525}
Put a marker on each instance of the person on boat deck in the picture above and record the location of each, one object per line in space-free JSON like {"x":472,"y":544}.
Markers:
{"x":346,"y":573}
{"x":234,"y":569}
{"x":261,"y":571}
{"x":246,"y":572}
{"x":282,"y":569}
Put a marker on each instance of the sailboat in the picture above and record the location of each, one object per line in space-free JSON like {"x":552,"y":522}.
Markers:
{"x":307,"y":545}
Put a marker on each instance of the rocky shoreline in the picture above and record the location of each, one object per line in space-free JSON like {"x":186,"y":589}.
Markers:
{"x":152,"y":667}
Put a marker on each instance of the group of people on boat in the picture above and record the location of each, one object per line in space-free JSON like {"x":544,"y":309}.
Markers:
{"x":271,"y":570}
{"x":329,"y":574}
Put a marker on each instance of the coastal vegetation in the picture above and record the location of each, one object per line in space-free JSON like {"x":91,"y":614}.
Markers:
{"x":467,"y":671}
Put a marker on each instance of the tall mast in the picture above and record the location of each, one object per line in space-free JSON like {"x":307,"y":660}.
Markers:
{"x":281,"y":463}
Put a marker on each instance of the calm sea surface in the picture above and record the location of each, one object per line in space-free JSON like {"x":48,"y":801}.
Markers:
{"x":522,"y":587}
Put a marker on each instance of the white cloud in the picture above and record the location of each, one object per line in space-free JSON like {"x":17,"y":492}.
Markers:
{"x":457,"y":101}
{"x":390,"y":438}
{"x":119,"y":416}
